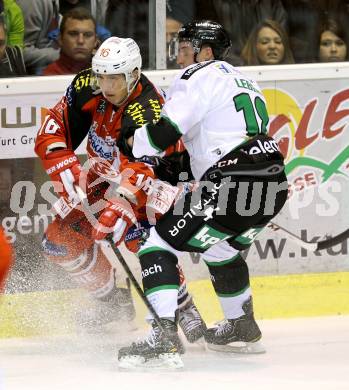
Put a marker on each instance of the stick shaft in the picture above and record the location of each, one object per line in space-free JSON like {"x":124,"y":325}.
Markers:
{"x":110,"y":251}
{"x":312,"y":246}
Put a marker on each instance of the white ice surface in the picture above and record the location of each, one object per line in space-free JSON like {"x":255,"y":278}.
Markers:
{"x":302,"y":354}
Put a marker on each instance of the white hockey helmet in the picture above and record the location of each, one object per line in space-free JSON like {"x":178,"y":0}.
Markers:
{"x":118,"y":56}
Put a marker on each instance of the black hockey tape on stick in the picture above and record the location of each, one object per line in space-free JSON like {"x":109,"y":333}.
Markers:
{"x":332,"y":241}
{"x":312,"y":246}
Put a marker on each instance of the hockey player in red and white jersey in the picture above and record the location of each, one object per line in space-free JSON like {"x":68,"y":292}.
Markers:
{"x":220,"y":115}
{"x":6,"y":259}
{"x":106,"y":105}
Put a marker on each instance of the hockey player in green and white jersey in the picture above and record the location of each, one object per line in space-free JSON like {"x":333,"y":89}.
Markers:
{"x":221,"y":115}
{"x":211,"y":41}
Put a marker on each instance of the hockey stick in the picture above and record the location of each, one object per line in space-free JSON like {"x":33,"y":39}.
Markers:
{"x":312,"y":246}
{"x":112,"y":253}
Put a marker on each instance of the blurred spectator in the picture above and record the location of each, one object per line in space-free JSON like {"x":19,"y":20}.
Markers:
{"x":205,"y":10}
{"x":77,"y":40}
{"x":302,"y":20}
{"x":40,"y":17}
{"x":183,"y":51}
{"x":97,"y":8}
{"x":267,"y":44}
{"x":14,"y":22}
{"x":239,"y":17}
{"x":333,"y":42}
{"x":129,"y":18}
{"x":177,"y":14}
{"x":329,"y":8}
{"x":172,"y":27}
{"x":11,"y":57}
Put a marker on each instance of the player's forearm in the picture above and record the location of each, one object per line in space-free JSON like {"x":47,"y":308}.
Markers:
{"x":153,"y":139}
{"x":51,"y":135}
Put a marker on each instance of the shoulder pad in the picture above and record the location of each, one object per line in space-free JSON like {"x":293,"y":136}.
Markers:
{"x":82,"y":80}
{"x":189,"y":72}
{"x":145,"y":108}
{"x":80,"y":91}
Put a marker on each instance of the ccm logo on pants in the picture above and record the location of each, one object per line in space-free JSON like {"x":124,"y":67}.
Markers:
{"x":151,"y":270}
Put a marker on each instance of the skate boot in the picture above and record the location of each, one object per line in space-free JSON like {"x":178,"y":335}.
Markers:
{"x":117,"y":306}
{"x":158,"y":350}
{"x":191,"y":322}
{"x":239,"y":335}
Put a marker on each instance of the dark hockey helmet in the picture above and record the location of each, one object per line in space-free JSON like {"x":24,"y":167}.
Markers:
{"x":206,"y":32}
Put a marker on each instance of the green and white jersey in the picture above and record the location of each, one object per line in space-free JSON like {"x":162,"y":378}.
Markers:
{"x":213,"y":107}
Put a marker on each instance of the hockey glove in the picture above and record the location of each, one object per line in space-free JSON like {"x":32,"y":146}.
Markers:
{"x":116,"y":218}
{"x":64,"y":169}
{"x":160,"y":199}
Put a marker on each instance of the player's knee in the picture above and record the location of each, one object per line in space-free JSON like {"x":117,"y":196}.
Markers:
{"x":53,"y":251}
{"x":159,"y":268}
{"x":62,"y":243}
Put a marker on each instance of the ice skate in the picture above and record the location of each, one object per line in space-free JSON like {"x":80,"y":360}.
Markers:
{"x":191,"y":322}
{"x":118,"y":307}
{"x":238,"y":335}
{"x":158,"y":350}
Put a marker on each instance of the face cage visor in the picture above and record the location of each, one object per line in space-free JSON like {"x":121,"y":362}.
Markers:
{"x":173,"y":47}
{"x":112,"y":79}
{"x":114,"y":84}
{"x":130,"y":82}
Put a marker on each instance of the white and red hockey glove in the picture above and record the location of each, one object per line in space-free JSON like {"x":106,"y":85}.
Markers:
{"x":116,"y":218}
{"x":162,"y":196}
{"x":64,"y":168}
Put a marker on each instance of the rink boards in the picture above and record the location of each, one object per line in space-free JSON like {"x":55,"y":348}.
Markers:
{"x":309,"y":111}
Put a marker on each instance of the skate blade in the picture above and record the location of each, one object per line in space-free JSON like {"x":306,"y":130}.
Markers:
{"x":109,"y":328}
{"x":198,"y":343}
{"x":239,"y":347}
{"x":164,"y":361}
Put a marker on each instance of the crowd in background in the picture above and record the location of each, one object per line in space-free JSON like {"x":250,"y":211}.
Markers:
{"x":52,"y":37}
